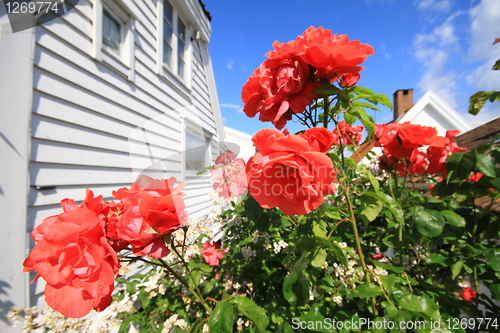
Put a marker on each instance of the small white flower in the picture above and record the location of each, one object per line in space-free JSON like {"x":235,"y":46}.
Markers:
{"x":338,"y":300}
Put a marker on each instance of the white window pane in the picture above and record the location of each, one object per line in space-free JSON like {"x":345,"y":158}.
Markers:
{"x":168,"y":11}
{"x":167,"y":53}
{"x":181,"y":30}
{"x":196,"y":151}
{"x":180,"y":68}
{"x":111,"y":32}
{"x":167,"y":31}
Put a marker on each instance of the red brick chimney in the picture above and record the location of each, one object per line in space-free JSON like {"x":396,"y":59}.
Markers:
{"x":403,"y":101}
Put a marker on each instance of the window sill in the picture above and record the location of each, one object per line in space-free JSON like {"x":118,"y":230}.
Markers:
{"x":178,"y":82}
{"x":113,"y":61}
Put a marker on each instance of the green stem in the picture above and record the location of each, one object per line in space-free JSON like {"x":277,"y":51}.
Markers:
{"x":326,"y":112}
{"x":357,"y":240}
{"x":184,"y":263}
{"x":163,"y":264}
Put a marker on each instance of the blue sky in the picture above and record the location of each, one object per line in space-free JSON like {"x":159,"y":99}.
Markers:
{"x":442,"y":45}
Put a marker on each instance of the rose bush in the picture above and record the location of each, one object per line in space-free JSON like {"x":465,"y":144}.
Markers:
{"x":323,"y":242}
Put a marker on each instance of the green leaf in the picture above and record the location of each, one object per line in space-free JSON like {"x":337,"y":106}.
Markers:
{"x":435,"y":259}
{"x":384,"y":100}
{"x":418,"y":304}
{"x":453,"y":218}
{"x":370,"y":207}
{"x":390,"y":203}
{"x":365,"y":290}
{"x":387,"y":267}
{"x":366,"y":120}
{"x":222,"y":318}
{"x":485,"y":165}
{"x":460,"y":165}
{"x":493,"y":259}
{"x":333,"y":213}
{"x":293,"y":285}
{"x":496,"y":183}
{"x":496,"y":66}
{"x":349,"y":118}
{"x":456,"y":268}
{"x":429,"y":223}
{"x":327,"y":90}
{"x":495,"y":290}
{"x":477,"y":101}
{"x":319,"y":258}
{"x":319,"y":228}
{"x":252,"y":311}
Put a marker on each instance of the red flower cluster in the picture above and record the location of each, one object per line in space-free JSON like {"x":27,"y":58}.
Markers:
{"x":76,"y":250}
{"x":347,"y":135}
{"x":291,"y":172}
{"x":284,"y":83}
{"x":212,"y":253}
{"x":151,"y":209}
{"x":404,"y":148}
{"x":229,"y":175}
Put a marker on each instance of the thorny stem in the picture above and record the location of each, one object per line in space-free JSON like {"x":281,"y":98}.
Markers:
{"x":357,"y":240}
{"x":184,"y":263}
{"x":163,"y":264}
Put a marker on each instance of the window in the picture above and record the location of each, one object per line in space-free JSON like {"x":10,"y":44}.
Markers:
{"x":181,"y":46}
{"x":113,"y":39}
{"x":197,"y":155}
{"x":168,"y":32}
{"x":174,"y":47}
{"x":111,"y":32}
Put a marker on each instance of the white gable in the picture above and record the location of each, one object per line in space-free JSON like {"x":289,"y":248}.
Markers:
{"x":431,"y":110}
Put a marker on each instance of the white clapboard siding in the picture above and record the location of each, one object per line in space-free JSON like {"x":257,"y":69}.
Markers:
{"x":94,"y":128}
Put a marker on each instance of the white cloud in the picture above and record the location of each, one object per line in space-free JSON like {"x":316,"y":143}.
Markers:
{"x":435,"y":5}
{"x":485,"y":27}
{"x":238,"y":108}
{"x":434,"y":50}
{"x":230,"y":64}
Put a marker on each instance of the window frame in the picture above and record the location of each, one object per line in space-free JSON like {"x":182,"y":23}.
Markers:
{"x":121,"y":62}
{"x":190,"y":128}
{"x":171,"y":70}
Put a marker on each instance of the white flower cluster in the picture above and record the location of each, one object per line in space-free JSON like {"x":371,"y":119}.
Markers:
{"x":173,"y":321}
{"x":36,"y":321}
{"x":278,"y":246}
{"x":240,"y":323}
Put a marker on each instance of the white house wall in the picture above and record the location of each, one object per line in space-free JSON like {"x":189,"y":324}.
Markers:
{"x":429,"y":117}
{"x":92,"y":127}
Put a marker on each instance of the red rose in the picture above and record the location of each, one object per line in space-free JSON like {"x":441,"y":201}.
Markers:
{"x":413,"y":136}
{"x":73,"y":256}
{"x":153,"y":208}
{"x":278,"y":89}
{"x":377,"y":256}
{"x":347,"y":135}
{"x":438,"y":155}
{"x":288,"y":173}
{"x":229,"y":176}
{"x":418,"y":162}
{"x":319,"y":138}
{"x":212,"y":253}
{"x":330,"y":54}
{"x":468,"y":294}
{"x":349,"y":79}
